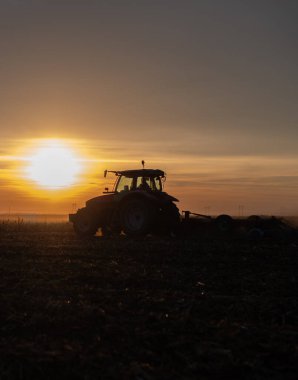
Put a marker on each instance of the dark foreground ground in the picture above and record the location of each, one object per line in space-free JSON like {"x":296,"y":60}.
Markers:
{"x":145,"y":309}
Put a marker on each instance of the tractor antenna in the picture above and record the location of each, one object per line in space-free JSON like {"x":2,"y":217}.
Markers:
{"x":143,"y":163}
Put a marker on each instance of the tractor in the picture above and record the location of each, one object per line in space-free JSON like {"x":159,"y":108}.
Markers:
{"x":136,"y":206}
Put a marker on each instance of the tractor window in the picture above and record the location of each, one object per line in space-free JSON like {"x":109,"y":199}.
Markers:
{"x":143,"y":183}
{"x":139,"y":183}
{"x":124,"y":184}
{"x":148,"y":183}
{"x":157,"y":183}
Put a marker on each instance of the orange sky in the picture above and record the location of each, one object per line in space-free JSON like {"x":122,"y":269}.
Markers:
{"x":206,"y":184}
{"x":206,"y":91}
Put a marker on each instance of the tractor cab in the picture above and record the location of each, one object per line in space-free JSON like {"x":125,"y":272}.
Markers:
{"x":150,"y":180}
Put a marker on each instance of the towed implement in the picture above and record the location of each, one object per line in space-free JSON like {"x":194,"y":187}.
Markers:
{"x":253,"y":228}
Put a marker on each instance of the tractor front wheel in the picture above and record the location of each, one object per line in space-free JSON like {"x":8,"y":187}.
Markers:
{"x":84,"y":223}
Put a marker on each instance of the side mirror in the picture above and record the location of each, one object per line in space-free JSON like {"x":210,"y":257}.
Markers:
{"x":105,"y":173}
{"x":106,"y":189}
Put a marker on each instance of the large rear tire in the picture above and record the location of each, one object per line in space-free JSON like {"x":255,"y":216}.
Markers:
{"x":136,"y":217}
{"x":84,"y":224}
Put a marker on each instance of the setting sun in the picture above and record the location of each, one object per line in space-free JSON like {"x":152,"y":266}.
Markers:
{"x":53,"y":166}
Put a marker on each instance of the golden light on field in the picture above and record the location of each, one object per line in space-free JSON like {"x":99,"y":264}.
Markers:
{"x":53,"y":165}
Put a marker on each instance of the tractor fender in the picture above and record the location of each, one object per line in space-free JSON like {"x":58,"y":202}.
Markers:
{"x":100,"y":200}
{"x":168,"y":198}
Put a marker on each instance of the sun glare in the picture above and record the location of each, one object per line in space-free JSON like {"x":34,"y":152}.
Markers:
{"x":53,"y":166}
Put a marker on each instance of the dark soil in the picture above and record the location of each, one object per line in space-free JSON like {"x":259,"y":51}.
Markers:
{"x":145,"y":309}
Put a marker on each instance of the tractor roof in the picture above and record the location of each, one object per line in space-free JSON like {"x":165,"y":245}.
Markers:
{"x":141,"y":173}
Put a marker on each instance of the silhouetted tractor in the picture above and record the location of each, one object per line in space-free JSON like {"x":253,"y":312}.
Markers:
{"x":137,"y":206}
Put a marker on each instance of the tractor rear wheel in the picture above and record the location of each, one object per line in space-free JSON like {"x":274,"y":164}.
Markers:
{"x":136,"y":217}
{"x":84,"y":223}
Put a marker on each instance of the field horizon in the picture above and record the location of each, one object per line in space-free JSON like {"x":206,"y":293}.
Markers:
{"x":63,"y":217}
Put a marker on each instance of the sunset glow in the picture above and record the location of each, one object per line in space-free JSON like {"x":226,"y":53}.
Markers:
{"x":204,"y":91}
{"x":53,"y":166}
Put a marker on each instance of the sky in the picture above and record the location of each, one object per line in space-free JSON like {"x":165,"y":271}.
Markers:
{"x":203,"y":89}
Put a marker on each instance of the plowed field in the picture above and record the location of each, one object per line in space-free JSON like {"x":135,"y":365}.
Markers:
{"x":151,"y":308}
